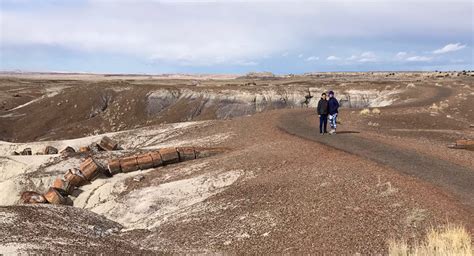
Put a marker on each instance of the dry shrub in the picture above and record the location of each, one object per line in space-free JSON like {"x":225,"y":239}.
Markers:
{"x":376,"y":111}
{"x":449,"y":240}
{"x":365,"y":111}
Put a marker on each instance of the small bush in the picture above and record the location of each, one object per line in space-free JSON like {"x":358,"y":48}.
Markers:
{"x":449,"y":240}
{"x":365,"y":111}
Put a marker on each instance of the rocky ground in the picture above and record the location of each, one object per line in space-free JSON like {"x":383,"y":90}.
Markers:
{"x":279,"y":188}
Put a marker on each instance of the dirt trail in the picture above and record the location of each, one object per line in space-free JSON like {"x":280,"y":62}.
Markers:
{"x":451,"y":177}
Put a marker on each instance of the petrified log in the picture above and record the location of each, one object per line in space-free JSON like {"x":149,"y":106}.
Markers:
{"x":145,"y":161}
{"x":26,"y":152}
{"x":50,"y":150}
{"x":187,"y":153}
{"x":31,"y":197}
{"x":157,"y":161}
{"x":108,"y":144}
{"x":68,"y":151}
{"x":75,"y":178}
{"x":54,"y":197}
{"x":169,"y":155}
{"x":129,"y":164}
{"x":90,"y":169}
{"x":113,"y":165}
{"x":63,"y":186}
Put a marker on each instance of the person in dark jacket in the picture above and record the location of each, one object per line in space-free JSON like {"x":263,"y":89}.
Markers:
{"x":333,"y":109}
{"x":323,"y":114}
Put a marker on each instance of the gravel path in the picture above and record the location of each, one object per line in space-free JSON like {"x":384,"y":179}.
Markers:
{"x":451,"y":177}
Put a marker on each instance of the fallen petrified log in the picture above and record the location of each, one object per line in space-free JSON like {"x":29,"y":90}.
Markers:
{"x":158,"y":158}
{"x":108,"y":144}
{"x":63,"y":186}
{"x":463,"y":144}
{"x":26,"y":152}
{"x":90,"y":169}
{"x":50,"y":150}
{"x":67,"y":151}
{"x":31,"y":197}
{"x":53,"y":196}
{"x":129,"y":164}
{"x":75,"y":177}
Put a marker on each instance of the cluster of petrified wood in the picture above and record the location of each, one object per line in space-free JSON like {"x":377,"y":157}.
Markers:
{"x":90,"y":169}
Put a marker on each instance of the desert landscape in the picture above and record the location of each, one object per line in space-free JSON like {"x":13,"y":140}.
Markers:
{"x":234,"y":164}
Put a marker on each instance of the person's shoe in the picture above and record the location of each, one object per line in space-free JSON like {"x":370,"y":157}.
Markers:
{"x":321,"y":133}
{"x":332,"y":132}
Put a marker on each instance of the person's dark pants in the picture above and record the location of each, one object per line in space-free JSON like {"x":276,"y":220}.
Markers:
{"x":323,"y":122}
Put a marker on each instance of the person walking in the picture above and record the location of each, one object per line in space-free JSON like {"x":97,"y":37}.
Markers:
{"x":322,"y":110}
{"x":333,"y":109}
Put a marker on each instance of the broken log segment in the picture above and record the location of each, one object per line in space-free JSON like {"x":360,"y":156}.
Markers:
{"x":50,"y":150}
{"x":129,"y":164}
{"x":169,"y":155}
{"x":68,"y":151}
{"x":54,"y":197}
{"x":145,"y":161}
{"x":26,"y":152}
{"x":157,"y":161}
{"x":90,"y":169}
{"x":31,"y":197}
{"x":108,"y":144}
{"x":186,"y":154}
{"x":113,"y":165}
{"x":63,"y":186}
{"x":75,"y":178}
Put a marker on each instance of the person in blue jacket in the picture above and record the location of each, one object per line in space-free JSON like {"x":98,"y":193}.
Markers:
{"x":333,"y":109}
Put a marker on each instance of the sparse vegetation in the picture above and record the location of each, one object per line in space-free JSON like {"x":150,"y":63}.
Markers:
{"x":451,"y":240}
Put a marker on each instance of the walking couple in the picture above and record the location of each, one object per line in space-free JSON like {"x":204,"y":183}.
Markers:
{"x":327,"y":109}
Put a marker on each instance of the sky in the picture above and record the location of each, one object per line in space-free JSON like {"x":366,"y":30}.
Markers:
{"x":164,"y":36}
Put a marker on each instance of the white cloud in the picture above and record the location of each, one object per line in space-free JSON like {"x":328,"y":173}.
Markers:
{"x":353,"y":57}
{"x":419,"y":58}
{"x":300,"y":56}
{"x":312,"y":58}
{"x":285,"y":54}
{"x":363,"y":57}
{"x":450,"y":48}
{"x":401,"y":55}
{"x":368,"y":57}
{"x":333,"y":58}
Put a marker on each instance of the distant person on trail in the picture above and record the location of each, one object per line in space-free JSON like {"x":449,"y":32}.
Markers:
{"x":333,"y":107}
{"x":323,"y":114}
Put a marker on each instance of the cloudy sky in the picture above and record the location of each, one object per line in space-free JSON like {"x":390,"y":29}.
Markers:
{"x":165,"y":36}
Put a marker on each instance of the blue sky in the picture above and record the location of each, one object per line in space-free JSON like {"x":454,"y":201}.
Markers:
{"x":159,"y":36}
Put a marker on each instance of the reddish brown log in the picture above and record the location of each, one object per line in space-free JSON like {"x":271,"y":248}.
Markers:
{"x":186,"y":154}
{"x":63,"y":186}
{"x":31,"y":197}
{"x":169,"y":155}
{"x":54,"y":197}
{"x":108,"y":144}
{"x":145,"y":161}
{"x":75,"y":178}
{"x":129,"y":164}
{"x":465,"y":142}
{"x":157,"y":161}
{"x":113,"y":166}
{"x":90,"y":169}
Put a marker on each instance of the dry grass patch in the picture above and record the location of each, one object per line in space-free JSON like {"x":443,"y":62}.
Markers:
{"x":449,"y":240}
